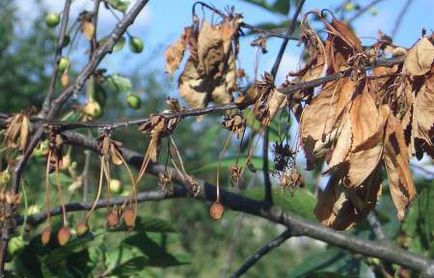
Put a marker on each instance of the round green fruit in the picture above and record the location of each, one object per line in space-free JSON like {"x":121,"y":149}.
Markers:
{"x":349,"y":7}
{"x":133,"y":101}
{"x":16,"y":245}
{"x":115,"y":186}
{"x":64,"y":64}
{"x":136,"y":44}
{"x":52,"y":19}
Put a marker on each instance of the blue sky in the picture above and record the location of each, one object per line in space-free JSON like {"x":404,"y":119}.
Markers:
{"x":162,"y":21}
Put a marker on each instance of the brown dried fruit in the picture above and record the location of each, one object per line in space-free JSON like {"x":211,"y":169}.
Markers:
{"x":112,"y":219}
{"x":129,"y":217}
{"x":82,"y":229}
{"x":46,"y":236}
{"x":216,"y":211}
{"x":63,"y":236}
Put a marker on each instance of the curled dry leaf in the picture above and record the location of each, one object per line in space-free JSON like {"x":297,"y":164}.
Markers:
{"x":175,"y":52}
{"x":423,"y":115}
{"x":18,"y":131}
{"x":319,"y":132}
{"x":396,"y":162}
{"x":210,"y":71}
{"x":110,"y":149}
{"x":341,"y":207}
{"x":420,"y":58}
{"x":270,"y":100}
{"x":235,"y":123}
{"x":157,"y":127}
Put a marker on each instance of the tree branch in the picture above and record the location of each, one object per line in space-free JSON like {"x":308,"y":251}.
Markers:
{"x":57,"y":56}
{"x":363,"y":10}
{"x":297,"y":225}
{"x":87,"y":71}
{"x":274,"y":69}
{"x":255,"y":257}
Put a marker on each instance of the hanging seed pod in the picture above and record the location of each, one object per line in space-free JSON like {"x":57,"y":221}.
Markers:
{"x":216,"y":211}
{"x":112,"y":219}
{"x":129,"y":217}
{"x":46,"y":236}
{"x":64,"y":235}
{"x":82,"y":229}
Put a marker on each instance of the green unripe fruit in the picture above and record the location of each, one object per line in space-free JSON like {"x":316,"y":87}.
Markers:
{"x":349,"y":7}
{"x":133,"y":101}
{"x":64,"y":64}
{"x":16,"y":245}
{"x":136,"y":44}
{"x":115,"y":186}
{"x":5,"y":177}
{"x":52,"y":19}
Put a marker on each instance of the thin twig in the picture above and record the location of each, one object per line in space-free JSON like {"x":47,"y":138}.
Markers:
{"x":265,"y":143}
{"x":363,"y":10}
{"x":298,"y":226}
{"x":87,"y":71}
{"x":57,"y":56}
{"x":255,"y":257}
{"x":400,"y":18}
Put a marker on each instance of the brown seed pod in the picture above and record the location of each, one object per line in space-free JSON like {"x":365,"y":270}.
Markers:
{"x":46,"y":235}
{"x":129,"y":216}
{"x":63,"y":236}
{"x":216,"y":211}
{"x":112,"y":219}
{"x":82,"y":229}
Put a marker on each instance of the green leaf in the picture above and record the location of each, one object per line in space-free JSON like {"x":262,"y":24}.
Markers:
{"x":282,"y":6}
{"x":158,"y":256}
{"x":329,"y":263}
{"x":118,"y":83}
{"x":253,"y":123}
{"x":301,"y":201}
{"x":132,"y":267}
{"x":153,"y":224}
{"x":64,"y":179}
{"x":279,"y":6}
{"x":120,"y":5}
{"x":419,"y":222}
{"x":228,"y":162}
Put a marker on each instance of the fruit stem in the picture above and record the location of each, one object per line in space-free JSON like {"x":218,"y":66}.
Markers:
{"x":25,"y":209}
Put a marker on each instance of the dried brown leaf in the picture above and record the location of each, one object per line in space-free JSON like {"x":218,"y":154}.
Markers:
{"x":24,"y":132}
{"x":423,"y":112}
{"x":341,"y":208}
{"x":420,"y":58}
{"x":396,"y":161}
{"x":175,"y":52}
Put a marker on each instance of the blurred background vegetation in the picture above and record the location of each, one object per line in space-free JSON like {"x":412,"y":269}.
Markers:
{"x":176,"y":238}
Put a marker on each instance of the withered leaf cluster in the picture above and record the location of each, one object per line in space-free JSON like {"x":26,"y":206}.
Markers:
{"x":18,"y":131}
{"x":210,"y":71}
{"x":157,"y":127}
{"x":365,"y":121}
